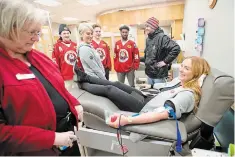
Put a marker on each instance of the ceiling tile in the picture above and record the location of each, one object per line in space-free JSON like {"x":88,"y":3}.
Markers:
{"x":72,"y":8}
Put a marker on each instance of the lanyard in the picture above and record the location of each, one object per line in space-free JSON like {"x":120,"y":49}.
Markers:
{"x":172,"y":114}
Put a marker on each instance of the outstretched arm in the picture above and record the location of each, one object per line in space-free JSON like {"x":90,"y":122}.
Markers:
{"x":183,"y":102}
{"x":144,"y":118}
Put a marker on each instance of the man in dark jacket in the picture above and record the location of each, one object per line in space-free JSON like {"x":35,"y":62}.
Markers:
{"x":159,"y":52}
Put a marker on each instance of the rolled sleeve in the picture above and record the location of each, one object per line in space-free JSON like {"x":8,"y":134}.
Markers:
{"x":183,"y":103}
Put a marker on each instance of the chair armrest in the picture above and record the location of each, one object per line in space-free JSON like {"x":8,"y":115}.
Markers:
{"x":165,"y":129}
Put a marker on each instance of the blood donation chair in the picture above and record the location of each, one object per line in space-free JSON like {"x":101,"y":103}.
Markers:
{"x":96,"y":138}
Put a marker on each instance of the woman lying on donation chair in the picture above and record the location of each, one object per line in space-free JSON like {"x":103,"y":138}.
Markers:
{"x":183,"y":97}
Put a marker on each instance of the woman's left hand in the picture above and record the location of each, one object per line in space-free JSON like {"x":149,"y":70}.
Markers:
{"x":79,"y":110}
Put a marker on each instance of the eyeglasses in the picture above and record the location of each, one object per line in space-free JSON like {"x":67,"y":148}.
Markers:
{"x":33,"y":33}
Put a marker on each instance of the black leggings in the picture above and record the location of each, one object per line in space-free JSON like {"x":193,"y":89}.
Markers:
{"x":123,"y":96}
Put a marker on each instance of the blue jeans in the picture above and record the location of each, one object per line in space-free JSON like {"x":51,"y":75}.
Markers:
{"x":153,"y":81}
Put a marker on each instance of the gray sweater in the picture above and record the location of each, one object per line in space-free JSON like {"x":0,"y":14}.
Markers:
{"x":182,"y":98}
{"x":90,"y":60}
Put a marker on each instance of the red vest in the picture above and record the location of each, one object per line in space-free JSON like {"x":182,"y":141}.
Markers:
{"x":30,"y":114}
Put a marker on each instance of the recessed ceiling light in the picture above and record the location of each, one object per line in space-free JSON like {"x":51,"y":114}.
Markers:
{"x":50,"y":3}
{"x":89,"y":2}
{"x":46,"y":11}
{"x":70,"y":19}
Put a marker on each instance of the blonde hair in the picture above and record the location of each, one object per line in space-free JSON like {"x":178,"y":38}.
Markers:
{"x":14,"y":14}
{"x":199,"y":67}
{"x":83,"y":27}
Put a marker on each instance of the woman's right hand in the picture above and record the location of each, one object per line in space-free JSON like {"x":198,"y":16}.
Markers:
{"x":65,"y":139}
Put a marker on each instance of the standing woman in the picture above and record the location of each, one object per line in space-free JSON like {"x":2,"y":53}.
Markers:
{"x":89,"y":57}
{"x":34,"y":103}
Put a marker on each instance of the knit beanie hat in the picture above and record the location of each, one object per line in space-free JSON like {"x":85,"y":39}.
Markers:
{"x":153,"y":22}
{"x":63,"y":27}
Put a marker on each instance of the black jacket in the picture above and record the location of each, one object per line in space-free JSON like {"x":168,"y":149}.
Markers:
{"x":159,"y":47}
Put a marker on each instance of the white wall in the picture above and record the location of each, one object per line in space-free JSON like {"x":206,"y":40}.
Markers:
{"x":219,"y":32}
{"x":55,"y":28}
{"x":166,"y":29}
{"x":74,"y":33}
{"x":133,"y":34}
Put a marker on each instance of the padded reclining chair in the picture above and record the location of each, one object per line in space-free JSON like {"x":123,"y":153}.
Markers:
{"x":97,"y":138}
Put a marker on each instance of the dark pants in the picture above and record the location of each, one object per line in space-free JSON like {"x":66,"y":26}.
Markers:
{"x":130,"y":77}
{"x":123,"y":96}
{"x":64,"y":125}
{"x":73,"y":151}
{"x":107,"y":73}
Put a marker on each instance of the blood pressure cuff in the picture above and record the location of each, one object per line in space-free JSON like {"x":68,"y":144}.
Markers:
{"x":135,"y":137}
{"x":171,"y":104}
{"x":170,"y":109}
{"x":171,"y":112}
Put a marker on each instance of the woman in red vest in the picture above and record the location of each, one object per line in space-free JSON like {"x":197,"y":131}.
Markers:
{"x":37,"y":113}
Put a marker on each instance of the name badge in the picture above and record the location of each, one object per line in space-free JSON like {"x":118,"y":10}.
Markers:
{"x":24,"y":76}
